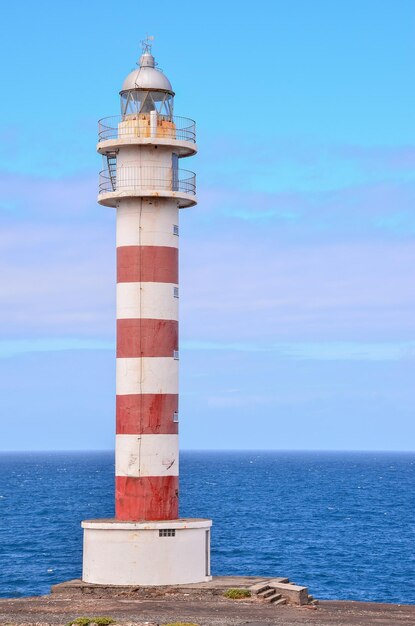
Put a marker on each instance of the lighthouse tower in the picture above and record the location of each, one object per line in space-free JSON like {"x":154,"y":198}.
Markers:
{"x":147,"y":543}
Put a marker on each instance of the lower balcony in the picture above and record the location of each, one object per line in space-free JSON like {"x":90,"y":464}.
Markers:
{"x":129,"y":181}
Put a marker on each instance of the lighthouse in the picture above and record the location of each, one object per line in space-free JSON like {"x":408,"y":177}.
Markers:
{"x":147,"y":543}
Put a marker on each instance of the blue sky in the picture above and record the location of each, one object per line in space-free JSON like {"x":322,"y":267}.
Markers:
{"x":297,"y":289}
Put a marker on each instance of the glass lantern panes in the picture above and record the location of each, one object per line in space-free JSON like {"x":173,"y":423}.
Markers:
{"x":141,"y":101}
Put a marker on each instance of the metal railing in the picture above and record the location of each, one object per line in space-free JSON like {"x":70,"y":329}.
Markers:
{"x":138,"y":177}
{"x":144,"y":125}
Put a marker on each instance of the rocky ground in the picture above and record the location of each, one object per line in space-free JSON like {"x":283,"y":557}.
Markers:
{"x":203,"y":610}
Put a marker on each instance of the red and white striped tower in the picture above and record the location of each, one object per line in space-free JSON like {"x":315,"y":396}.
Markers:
{"x":141,"y":150}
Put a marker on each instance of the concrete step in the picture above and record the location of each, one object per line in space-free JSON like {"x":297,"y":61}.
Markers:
{"x":285,"y":581}
{"x":266,"y":593}
{"x":274,"y":598}
{"x":259,"y":587}
{"x":280,"y":602}
{"x":293,"y":593}
{"x":276,"y":589}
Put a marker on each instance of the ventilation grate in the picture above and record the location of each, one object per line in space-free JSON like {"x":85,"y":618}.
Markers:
{"x":167,"y":532}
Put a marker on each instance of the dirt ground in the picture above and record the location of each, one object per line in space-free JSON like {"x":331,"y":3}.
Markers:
{"x":201,"y":610}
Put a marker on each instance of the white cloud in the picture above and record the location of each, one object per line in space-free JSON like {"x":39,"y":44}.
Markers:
{"x":304,"y":351}
{"x":253,"y":289}
{"x":14,"y":347}
{"x":318,"y":351}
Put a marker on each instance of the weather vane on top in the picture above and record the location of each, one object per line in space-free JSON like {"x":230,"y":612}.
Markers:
{"x":147,"y":43}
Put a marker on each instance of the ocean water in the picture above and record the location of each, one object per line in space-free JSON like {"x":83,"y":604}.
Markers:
{"x":341,"y":523}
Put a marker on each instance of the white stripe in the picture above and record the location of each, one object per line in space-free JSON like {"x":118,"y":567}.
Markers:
{"x":147,"y":224}
{"x":147,"y":375}
{"x":147,"y":455}
{"x":147,"y":300}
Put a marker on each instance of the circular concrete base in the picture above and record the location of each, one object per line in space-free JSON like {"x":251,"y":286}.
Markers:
{"x":170,"y":552}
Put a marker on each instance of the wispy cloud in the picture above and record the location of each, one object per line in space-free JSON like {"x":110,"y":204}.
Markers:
{"x":310,"y":191}
{"x":15,"y":347}
{"x":255,"y":290}
{"x":303,"y":167}
{"x":318,"y":351}
{"x":358,"y":211}
{"x":324,"y":264}
{"x":56,"y":258}
{"x":304,"y":351}
{"x":27,"y":197}
{"x":381,"y":158}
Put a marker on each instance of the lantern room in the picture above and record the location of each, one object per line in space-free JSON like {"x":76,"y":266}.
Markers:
{"x":147,"y":89}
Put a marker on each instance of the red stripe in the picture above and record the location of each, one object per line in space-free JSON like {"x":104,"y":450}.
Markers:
{"x":147,"y":414}
{"x":155,"y":264}
{"x":146,"y":498}
{"x":146,"y":337}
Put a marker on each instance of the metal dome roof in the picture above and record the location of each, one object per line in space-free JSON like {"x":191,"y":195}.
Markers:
{"x":147,"y":76}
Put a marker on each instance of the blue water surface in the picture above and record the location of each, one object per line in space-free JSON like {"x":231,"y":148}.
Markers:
{"x":341,"y":523}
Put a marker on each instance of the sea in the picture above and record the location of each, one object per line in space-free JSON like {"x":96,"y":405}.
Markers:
{"x":342,"y":524}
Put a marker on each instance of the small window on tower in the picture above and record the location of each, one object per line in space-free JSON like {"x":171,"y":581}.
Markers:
{"x":175,"y":172}
{"x":176,"y":292}
{"x":175,"y":417}
{"x":175,"y":229}
{"x":176,"y":354}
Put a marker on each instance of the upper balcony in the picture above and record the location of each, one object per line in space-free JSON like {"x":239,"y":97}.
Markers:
{"x":178,"y":133}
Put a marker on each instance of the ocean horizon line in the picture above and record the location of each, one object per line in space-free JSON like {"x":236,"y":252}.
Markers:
{"x":219,"y":450}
